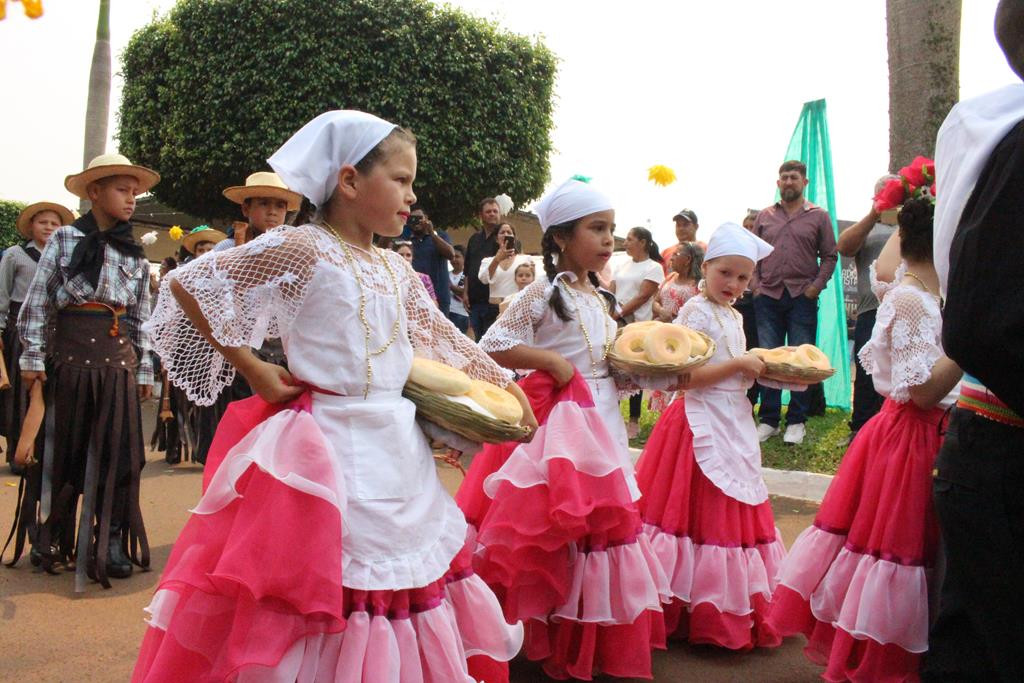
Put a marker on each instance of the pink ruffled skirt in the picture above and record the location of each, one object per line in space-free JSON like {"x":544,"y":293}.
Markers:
{"x":721,"y":556}
{"x":253,"y":590}
{"x":856,"y":582}
{"x":559,"y":542}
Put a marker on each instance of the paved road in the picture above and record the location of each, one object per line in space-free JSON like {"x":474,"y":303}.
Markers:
{"x":46,"y":634}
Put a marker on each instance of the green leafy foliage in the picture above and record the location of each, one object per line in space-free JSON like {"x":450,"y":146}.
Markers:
{"x":214,"y":87}
{"x":822,"y":450}
{"x":8,"y":223}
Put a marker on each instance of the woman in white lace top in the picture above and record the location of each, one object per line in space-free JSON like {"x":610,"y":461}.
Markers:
{"x":858,"y":580}
{"x":323,"y":520}
{"x":557,"y":517}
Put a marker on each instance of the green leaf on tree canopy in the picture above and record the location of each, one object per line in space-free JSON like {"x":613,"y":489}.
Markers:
{"x":214,"y":87}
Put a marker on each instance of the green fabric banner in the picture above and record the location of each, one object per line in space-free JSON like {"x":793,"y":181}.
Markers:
{"x":810,"y":144}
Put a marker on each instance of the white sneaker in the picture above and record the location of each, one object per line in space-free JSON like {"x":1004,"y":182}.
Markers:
{"x":765,"y":432}
{"x":794,"y":434}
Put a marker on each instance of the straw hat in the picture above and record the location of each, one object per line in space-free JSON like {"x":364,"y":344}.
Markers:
{"x":264,"y":184}
{"x":204,"y":233}
{"x":24,"y":223}
{"x":105,"y":166}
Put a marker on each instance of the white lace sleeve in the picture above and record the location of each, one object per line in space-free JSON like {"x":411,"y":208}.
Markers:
{"x":246,"y":294}
{"x":694,"y":314}
{"x":914,"y":334}
{"x":435,"y":337}
{"x":515,"y":326}
{"x":880,"y":287}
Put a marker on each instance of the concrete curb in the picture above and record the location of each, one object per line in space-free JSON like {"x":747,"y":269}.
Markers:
{"x":807,"y":486}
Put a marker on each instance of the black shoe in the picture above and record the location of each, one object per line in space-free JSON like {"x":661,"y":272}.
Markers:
{"x":118,"y":564}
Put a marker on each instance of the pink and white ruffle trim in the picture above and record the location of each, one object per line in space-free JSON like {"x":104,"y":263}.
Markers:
{"x":725,"y":577}
{"x":431,"y":645}
{"x":574,"y":433}
{"x":610,"y":586}
{"x":865,"y":596}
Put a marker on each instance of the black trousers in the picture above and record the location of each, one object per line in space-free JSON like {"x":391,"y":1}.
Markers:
{"x":745,"y":305}
{"x":979,"y":497}
{"x":866,"y":401}
{"x":636,"y":402}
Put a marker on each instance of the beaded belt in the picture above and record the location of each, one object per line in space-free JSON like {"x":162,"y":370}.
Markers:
{"x":979,"y":400}
{"x":97,"y":308}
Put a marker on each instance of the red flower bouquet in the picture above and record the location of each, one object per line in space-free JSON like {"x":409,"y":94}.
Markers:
{"x":916,"y":180}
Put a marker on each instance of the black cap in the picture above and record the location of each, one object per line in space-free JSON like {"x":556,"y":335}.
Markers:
{"x":686,"y":215}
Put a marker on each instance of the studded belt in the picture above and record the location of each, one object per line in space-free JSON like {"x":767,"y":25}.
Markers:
{"x":86,"y":338}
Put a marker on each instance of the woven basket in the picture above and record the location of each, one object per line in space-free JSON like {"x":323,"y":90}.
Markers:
{"x":461,"y":419}
{"x":792,"y":374}
{"x":644,"y":369}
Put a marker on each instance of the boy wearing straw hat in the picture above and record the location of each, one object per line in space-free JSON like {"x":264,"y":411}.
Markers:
{"x":92,"y":286}
{"x":201,"y":240}
{"x":35,"y":224}
{"x":265,"y":202}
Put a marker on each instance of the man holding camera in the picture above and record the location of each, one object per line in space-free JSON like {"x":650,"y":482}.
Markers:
{"x":431,"y":252}
{"x":482,"y":313}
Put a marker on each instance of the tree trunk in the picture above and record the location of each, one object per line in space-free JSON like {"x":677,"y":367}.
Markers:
{"x":97,"y":110}
{"x":924,"y":74}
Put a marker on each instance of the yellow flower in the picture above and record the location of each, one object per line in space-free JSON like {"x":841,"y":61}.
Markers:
{"x":661,"y":175}
{"x":176,"y":233}
{"x":33,"y":8}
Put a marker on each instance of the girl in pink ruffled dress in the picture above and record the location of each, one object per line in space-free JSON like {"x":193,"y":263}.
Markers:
{"x":705,"y":506}
{"x":857,"y":582}
{"x":558,"y":527}
{"x":324,"y":547}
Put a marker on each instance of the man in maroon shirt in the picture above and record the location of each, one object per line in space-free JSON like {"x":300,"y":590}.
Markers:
{"x":789,"y":282}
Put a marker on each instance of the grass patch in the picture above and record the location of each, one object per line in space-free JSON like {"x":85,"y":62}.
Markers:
{"x":821,"y":451}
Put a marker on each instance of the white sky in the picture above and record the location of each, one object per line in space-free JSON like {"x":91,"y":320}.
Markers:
{"x":710,"y":89}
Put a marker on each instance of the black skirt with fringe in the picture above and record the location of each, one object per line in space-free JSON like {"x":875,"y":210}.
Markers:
{"x":90,"y":463}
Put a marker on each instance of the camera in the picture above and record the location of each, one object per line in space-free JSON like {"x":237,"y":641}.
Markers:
{"x":413,"y":220}
{"x":510,"y":242}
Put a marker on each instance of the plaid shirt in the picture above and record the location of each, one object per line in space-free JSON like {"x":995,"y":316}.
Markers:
{"x":124,"y":281}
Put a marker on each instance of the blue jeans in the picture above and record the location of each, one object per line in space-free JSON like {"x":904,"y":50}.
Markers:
{"x":787,"y":318}
{"x":866,"y":401}
{"x":481,"y":317}
{"x":461,"y":321}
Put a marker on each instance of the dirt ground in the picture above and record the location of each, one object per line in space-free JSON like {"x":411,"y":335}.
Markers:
{"x":48,"y":634}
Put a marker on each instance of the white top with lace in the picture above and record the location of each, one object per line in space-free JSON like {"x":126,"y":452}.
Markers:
{"x":880,"y":287}
{"x":905,"y":342}
{"x":725,"y":441}
{"x":530,"y":320}
{"x":295,"y":283}
{"x":401,"y":528}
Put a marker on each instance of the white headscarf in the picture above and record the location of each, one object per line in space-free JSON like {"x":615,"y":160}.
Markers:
{"x":730,"y":239}
{"x":310,"y":160}
{"x":571,"y":200}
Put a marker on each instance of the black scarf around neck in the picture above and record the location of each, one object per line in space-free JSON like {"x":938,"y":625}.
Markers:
{"x":32,"y":250}
{"x":88,"y":254}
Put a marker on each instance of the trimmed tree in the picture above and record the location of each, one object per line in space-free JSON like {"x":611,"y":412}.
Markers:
{"x":212,"y":89}
{"x":9,"y":234}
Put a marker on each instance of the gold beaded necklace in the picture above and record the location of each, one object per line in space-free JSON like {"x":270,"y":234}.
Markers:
{"x":396,"y":328}
{"x":926,"y":287}
{"x":609,"y":335}
{"x":736,"y":317}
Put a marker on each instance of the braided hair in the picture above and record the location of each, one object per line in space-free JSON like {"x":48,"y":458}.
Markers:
{"x":550,"y":249}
